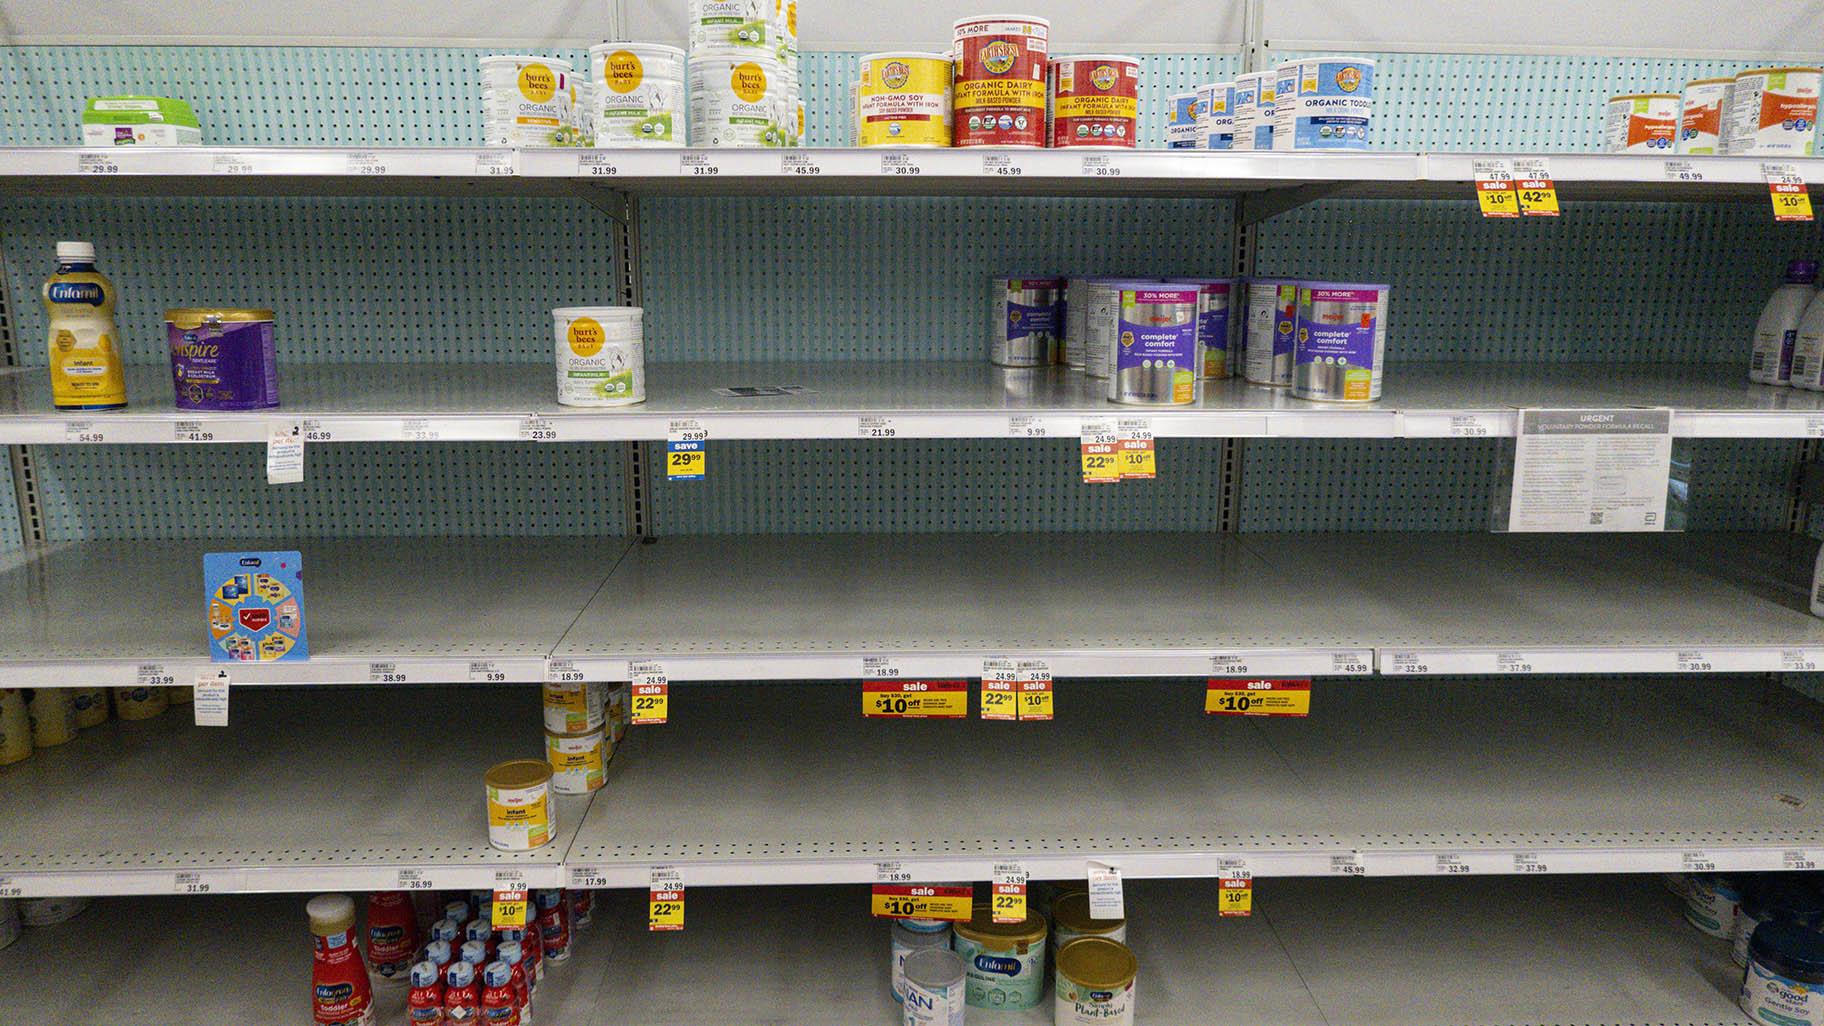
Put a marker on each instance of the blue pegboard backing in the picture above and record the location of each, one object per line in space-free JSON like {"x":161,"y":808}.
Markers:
{"x":1606,"y":281}
{"x":474,"y":490}
{"x":386,"y":280}
{"x":1452,"y":102}
{"x":1741,"y":484}
{"x":1013,"y":485}
{"x":853,"y":278}
{"x":10,"y":535}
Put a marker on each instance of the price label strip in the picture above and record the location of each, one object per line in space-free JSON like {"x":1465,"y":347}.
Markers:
{"x":1100,"y":463}
{"x":915,"y":699}
{"x":1253,"y":696}
{"x":1786,"y":187}
{"x":1495,"y":188}
{"x":1235,"y":895}
{"x":1000,"y":692}
{"x":1136,"y":450}
{"x":510,"y":909}
{"x":922,"y":901}
{"x":1008,"y":901}
{"x":686,"y":451}
{"x":1034,"y":678}
{"x":651,"y":696}
{"x":1533,"y":183}
{"x":665,"y":901}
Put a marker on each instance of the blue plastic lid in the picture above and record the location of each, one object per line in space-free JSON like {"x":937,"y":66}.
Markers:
{"x":456,"y":911}
{"x":474,"y":952}
{"x":459,"y":974}
{"x":445,"y":930}
{"x":549,"y":897}
{"x":1787,"y":948}
{"x":497,"y":974}
{"x":478,"y":930}
{"x":424,"y":974}
{"x":438,"y":952}
{"x":510,"y":952}
{"x":1801,"y":272}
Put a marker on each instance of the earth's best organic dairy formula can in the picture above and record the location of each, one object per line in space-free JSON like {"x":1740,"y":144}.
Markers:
{"x":520,"y":814}
{"x":1218,"y":324}
{"x":1095,"y":983}
{"x":1329,"y":106}
{"x":1023,"y":320}
{"x":579,"y":762}
{"x":999,"y":89}
{"x":1181,"y":122}
{"x":1640,"y":123}
{"x":1095,"y":100}
{"x":1339,"y":338}
{"x":903,"y":100}
{"x":222,"y":359}
{"x":636,"y":94}
{"x":738,"y":101}
{"x":525,"y":101}
{"x":1155,"y":360}
{"x":1700,"y":117}
{"x":935,"y":989}
{"x":601,"y":355}
{"x":1285,"y":87}
{"x":1772,"y":112}
{"x":1216,"y":113}
{"x":1254,"y":111}
{"x":1272,"y":304}
{"x":730,"y":26}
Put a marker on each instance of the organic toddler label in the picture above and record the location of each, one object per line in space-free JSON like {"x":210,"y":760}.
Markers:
{"x":748,"y":81}
{"x":537,"y":83}
{"x":623,"y":72}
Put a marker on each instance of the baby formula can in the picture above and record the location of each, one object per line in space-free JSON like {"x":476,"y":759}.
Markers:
{"x":1218,"y":323}
{"x":1285,"y":91}
{"x":1712,"y":903}
{"x":1774,"y":899}
{"x":903,"y":100}
{"x":1272,"y":306}
{"x":525,"y":101}
{"x":1784,"y":984}
{"x":1154,"y":361}
{"x":910,"y":935}
{"x":222,"y":359}
{"x":733,"y":101}
{"x":999,"y":80}
{"x":601,"y":355}
{"x":579,"y":762}
{"x":1330,"y":104}
{"x":1700,"y":117}
{"x":520,"y":814}
{"x":1095,"y":100}
{"x":1076,"y":322}
{"x":1101,"y":325}
{"x":1070,"y":919}
{"x":1003,"y":963}
{"x":52,"y":715}
{"x":1216,"y":106}
{"x":575,"y":707}
{"x":1181,"y":123}
{"x":1254,"y":111}
{"x":140,"y":703}
{"x":15,"y":727}
{"x":92,"y":706}
{"x":1640,"y":123}
{"x":636,"y":94}
{"x":1023,"y":327}
{"x":1772,"y":112}
{"x":1095,"y":983}
{"x":1339,"y":338}
{"x":730,"y":27}
{"x":935,"y":988}
{"x":50,"y":911}
{"x":10,"y":926}
{"x":619,"y":697}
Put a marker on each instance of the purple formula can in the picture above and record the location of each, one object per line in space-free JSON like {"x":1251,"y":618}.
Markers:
{"x":1154,"y":361}
{"x":1218,"y":324}
{"x":1340,"y":339}
{"x":222,"y":359}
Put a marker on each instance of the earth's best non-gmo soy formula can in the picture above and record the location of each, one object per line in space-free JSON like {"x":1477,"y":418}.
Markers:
{"x":935,"y":988}
{"x":1700,"y":117}
{"x":1216,"y":116}
{"x":1330,"y":104}
{"x":1772,"y":112}
{"x":999,"y":89}
{"x":1181,"y":122}
{"x":903,"y":100}
{"x":1154,"y":361}
{"x":1254,"y":111}
{"x":1272,"y":304}
{"x":1339,"y":341}
{"x":1004,"y":963}
{"x":1023,"y":323}
{"x":1640,"y":123}
{"x":738,"y":101}
{"x":1285,"y":87}
{"x":1095,"y":983}
{"x":636,"y":94}
{"x":1218,"y":324}
{"x":520,"y":814}
{"x":601,"y":355}
{"x":525,"y":101}
{"x":1095,"y":100}
{"x":730,"y":27}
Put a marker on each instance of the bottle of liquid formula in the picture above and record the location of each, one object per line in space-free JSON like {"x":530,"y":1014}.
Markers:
{"x":1808,"y":349}
{"x":1777,"y":331}
{"x":86,"y":358}
{"x":340,"y":994}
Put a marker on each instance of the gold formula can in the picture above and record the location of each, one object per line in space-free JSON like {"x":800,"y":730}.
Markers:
{"x":140,"y":703}
{"x":520,"y":815}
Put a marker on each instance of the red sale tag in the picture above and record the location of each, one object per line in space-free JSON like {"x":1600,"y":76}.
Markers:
{"x":1243,"y":696}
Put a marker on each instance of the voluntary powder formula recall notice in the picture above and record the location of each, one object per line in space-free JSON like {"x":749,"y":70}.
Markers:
{"x":1591,"y":470}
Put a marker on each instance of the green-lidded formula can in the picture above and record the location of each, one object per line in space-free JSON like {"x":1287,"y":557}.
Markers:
{"x":1095,"y":983}
{"x":1004,"y":962}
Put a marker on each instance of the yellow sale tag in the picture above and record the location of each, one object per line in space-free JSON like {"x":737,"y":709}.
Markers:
{"x":1009,"y":903}
{"x":651,"y":703}
{"x":509,"y":910}
{"x":1497,"y":199}
{"x":1242,"y":696}
{"x":685,"y":461}
{"x":1538,"y":197}
{"x":1135,"y":450}
{"x":999,"y":700}
{"x":1236,"y":897}
{"x":913,"y":699}
{"x":1035,"y":700}
{"x":1791,"y":202}
{"x":1101,"y":462}
{"x":921,"y":901}
{"x":665,"y":909}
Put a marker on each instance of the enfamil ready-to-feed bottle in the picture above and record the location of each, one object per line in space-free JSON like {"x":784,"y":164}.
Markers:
{"x":86,"y":358}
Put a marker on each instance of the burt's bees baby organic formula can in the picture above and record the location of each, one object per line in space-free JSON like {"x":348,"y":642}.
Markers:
{"x":520,"y":814}
{"x":526,"y":101}
{"x":601,"y":355}
{"x":903,"y":100}
{"x":999,"y":83}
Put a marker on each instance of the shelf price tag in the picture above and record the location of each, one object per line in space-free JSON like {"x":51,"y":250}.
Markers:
{"x":697,"y":165}
{"x":799,"y":162}
{"x":1100,"y":166}
{"x":922,"y":901}
{"x":496,"y":163}
{"x":366,"y":162}
{"x":588,"y":878}
{"x":1526,"y":862}
{"x":1136,"y":450}
{"x":1348,"y":863}
{"x":1796,"y":859}
{"x":414,"y":880}
{"x":11,"y":888}
{"x":686,"y":455}
{"x":1786,"y":187}
{"x":1001,"y":165}
{"x":231,"y":164}
{"x":665,"y":901}
{"x":651,"y":694}
{"x":1495,"y":188}
{"x":1009,"y":897}
{"x":285,"y":452}
{"x":510,"y":909}
{"x":1683,"y":171}
{"x":1697,"y":862}
{"x":1235,"y":894}
{"x":1450,"y":865}
{"x":191,"y":883}
{"x":537,"y":429}
{"x":153,"y":675}
{"x":1253,"y":696}
{"x":1533,"y":183}
{"x":486,"y":671}
{"x":915,"y":699}
{"x":1034,"y":678}
{"x":86,"y":432}
{"x":899,"y":165}
{"x":96,"y":164}
{"x":191,"y":431}
{"x":211,"y":698}
{"x":1105,"y":899}
{"x":875,"y":427}
{"x":1000,"y":692}
{"x":1100,"y":465}
{"x":562,"y":671}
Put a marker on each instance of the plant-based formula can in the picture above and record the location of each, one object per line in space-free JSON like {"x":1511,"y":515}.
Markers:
{"x":1254,"y":111}
{"x":738,"y":102}
{"x":1216,"y":109}
{"x":730,"y":27}
{"x":1285,"y":87}
{"x":1272,"y":305}
{"x":1181,"y":122}
{"x":222,"y":359}
{"x":1218,"y":324}
{"x":1004,"y":963}
{"x":1095,"y":983}
{"x":1784,"y":984}
{"x":1700,"y":117}
{"x":1095,"y":101}
{"x":903,"y":100}
{"x":520,"y":814}
{"x":601,"y":355}
{"x":1330,"y":104}
{"x":935,"y":988}
{"x":636,"y":94}
{"x":999,"y":84}
{"x":1023,"y":320}
{"x":579,"y":762}
{"x":911,"y":935}
{"x":1640,"y":123}
{"x":1772,"y":112}
{"x":525,"y":101}
{"x":1339,"y":341}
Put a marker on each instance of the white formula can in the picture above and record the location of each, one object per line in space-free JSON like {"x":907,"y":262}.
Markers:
{"x":1216,"y":116}
{"x":1267,"y":341}
{"x":1772,"y":112}
{"x":1700,"y":116}
{"x":1181,"y":122}
{"x":601,"y":355}
{"x":1327,"y":106}
{"x":1023,"y":324}
{"x":579,"y":762}
{"x":1339,"y":341}
{"x":575,"y":707}
{"x":910,"y":935}
{"x":935,"y":991}
{"x":525,"y":101}
{"x":735,"y":101}
{"x":1095,"y":983}
{"x":520,"y":814}
{"x":637,"y":94}
{"x":1254,"y":111}
{"x":1640,"y":123}
{"x":1285,"y":86}
{"x":730,"y":27}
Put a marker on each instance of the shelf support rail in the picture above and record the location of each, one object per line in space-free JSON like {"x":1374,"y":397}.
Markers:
{"x":630,"y":291}
{"x":18,"y":457}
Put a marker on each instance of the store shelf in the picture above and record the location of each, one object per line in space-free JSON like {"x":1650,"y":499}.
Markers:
{"x":791,"y":785}
{"x":394,"y":610}
{"x":299,"y":793}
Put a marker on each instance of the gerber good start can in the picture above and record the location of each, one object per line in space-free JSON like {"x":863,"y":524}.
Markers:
{"x":1095,"y":100}
{"x":1339,"y":341}
{"x":601,"y":355}
{"x":903,"y":100}
{"x":999,"y":84}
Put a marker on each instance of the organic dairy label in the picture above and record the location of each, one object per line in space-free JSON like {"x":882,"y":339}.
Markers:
{"x":999,"y":83}
{"x":1095,"y":102}
{"x":1774,"y":1000}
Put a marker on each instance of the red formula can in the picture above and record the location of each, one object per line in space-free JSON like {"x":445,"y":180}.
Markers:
{"x":999,"y":94}
{"x":1095,"y":100}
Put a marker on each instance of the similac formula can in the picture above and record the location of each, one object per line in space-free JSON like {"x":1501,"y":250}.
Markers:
{"x":520,"y":814}
{"x":999,"y":80}
{"x":222,"y":359}
{"x":935,"y":989}
{"x":1640,"y":123}
{"x":1095,"y":983}
{"x":1003,"y":963}
{"x":1181,"y":122}
{"x":1218,"y":324}
{"x":1272,"y":305}
{"x":1216,"y":107}
{"x":1330,"y":105}
{"x":1095,"y":101}
{"x":92,"y":706}
{"x":903,"y":100}
{"x":910,"y":935}
{"x":637,"y":94}
{"x":1023,"y":320}
{"x":52,"y":715}
{"x":1772,"y":112}
{"x":140,"y":703}
{"x":525,"y":101}
{"x":1254,"y":111}
{"x":730,"y":27}
{"x":579,"y":762}
{"x":575,"y":707}
{"x":1285,"y":87}
{"x":734,"y":100}
{"x":15,"y":727}
{"x":1339,"y":338}
{"x":1700,"y":117}
{"x":1154,"y":361}
{"x":601,"y":355}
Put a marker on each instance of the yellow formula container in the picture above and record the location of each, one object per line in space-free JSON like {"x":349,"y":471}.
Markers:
{"x":15,"y":727}
{"x":903,"y":100}
{"x":91,"y":706}
{"x":53,"y":716}
{"x":140,"y":703}
{"x":520,"y":814}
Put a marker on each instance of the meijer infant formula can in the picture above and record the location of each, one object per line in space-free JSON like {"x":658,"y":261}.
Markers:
{"x":735,"y":102}
{"x":999,"y":88}
{"x":1003,"y":963}
{"x":525,"y":101}
{"x":1772,"y":112}
{"x":1216,"y":110}
{"x":1339,"y":339}
{"x":1640,"y":123}
{"x":1700,"y":116}
{"x":1101,"y":324}
{"x":1023,"y":321}
{"x":579,"y":762}
{"x":1155,"y":360}
{"x":520,"y":814}
{"x":637,"y":94}
{"x":1330,"y":105}
{"x":1095,"y":100}
{"x":574,"y":707}
{"x":935,"y":988}
{"x":1095,"y":983}
{"x":601,"y":355}
{"x":1218,"y":323}
{"x":1076,"y":321}
{"x":1254,"y":111}
{"x":903,"y":100}
{"x":1272,"y":305}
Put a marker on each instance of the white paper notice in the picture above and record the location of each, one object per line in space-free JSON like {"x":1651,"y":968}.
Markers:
{"x":285,"y":452}
{"x":1105,"y":898}
{"x":211,"y":700}
{"x":1591,"y":470}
